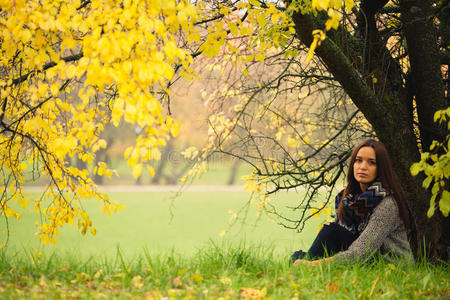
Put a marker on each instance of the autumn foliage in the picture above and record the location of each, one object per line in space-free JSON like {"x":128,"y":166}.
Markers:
{"x":67,"y":69}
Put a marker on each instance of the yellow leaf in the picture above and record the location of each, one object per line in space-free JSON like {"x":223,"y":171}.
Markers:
{"x":319,"y":36}
{"x":233,"y":28}
{"x":349,"y":4}
{"x":137,"y":171}
{"x":333,"y":21}
{"x":197,"y":278}
{"x":320,"y":4}
{"x":151,"y":170}
{"x":127,"y":152}
{"x":444,"y":203}
{"x":174,"y":129}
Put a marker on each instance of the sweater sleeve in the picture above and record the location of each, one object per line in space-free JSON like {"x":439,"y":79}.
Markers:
{"x":384,"y":220}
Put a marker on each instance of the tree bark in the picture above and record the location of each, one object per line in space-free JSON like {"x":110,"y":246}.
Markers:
{"x":423,"y":52}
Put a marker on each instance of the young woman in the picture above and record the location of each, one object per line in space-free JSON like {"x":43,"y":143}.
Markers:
{"x":371,"y":213}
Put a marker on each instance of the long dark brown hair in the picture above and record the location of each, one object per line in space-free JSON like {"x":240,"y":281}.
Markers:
{"x":385,"y":175}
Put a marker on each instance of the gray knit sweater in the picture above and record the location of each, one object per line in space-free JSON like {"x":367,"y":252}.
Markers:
{"x":384,"y":230}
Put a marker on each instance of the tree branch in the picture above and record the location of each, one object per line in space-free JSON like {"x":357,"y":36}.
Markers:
{"x":48,"y":65}
{"x":389,"y":118}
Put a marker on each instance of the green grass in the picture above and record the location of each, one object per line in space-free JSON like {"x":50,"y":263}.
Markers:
{"x":159,"y":247}
{"x":159,"y":223}
{"x":216,"y":271}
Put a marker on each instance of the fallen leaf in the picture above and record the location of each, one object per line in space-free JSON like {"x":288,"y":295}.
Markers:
{"x":333,"y":288}
{"x":252,"y":293}
{"x":137,"y":282}
{"x":373,"y":285}
{"x":177,"y":282}
{"x":197,"y":278}
{"x":225,"y":280}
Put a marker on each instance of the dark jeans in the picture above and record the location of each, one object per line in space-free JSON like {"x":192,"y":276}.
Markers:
{"x":331,"y":239}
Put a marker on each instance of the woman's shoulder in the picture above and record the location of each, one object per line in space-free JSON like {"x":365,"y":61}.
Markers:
{"x":387,"y":206}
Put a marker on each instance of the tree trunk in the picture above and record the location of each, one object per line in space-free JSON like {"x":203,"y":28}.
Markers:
{"x":390,"y":114}
{"x":233,"y":172}
{"x":168,"y":149}
{"x":423,"y":52}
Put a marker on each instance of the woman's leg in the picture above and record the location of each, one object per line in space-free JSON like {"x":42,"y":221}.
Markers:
{"x":331,"y":239}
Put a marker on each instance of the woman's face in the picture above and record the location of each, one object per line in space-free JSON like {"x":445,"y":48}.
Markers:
{"x":365,"y":167}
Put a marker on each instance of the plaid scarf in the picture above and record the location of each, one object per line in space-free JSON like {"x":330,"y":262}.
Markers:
{"x":359,"y":207}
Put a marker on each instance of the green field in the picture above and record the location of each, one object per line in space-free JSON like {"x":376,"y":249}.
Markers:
{"x":219,"y":172}
{"x":160,"y":222}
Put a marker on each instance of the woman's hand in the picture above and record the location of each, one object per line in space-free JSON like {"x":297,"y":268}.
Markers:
{"x":312,"y":263}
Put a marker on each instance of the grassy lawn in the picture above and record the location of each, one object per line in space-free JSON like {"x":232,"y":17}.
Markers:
{"x":160,"y":223}
{"x":160,"y":248}
{"x":215,"y":273}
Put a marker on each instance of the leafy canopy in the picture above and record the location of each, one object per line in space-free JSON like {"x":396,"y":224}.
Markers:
{"x":68,"y":68}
